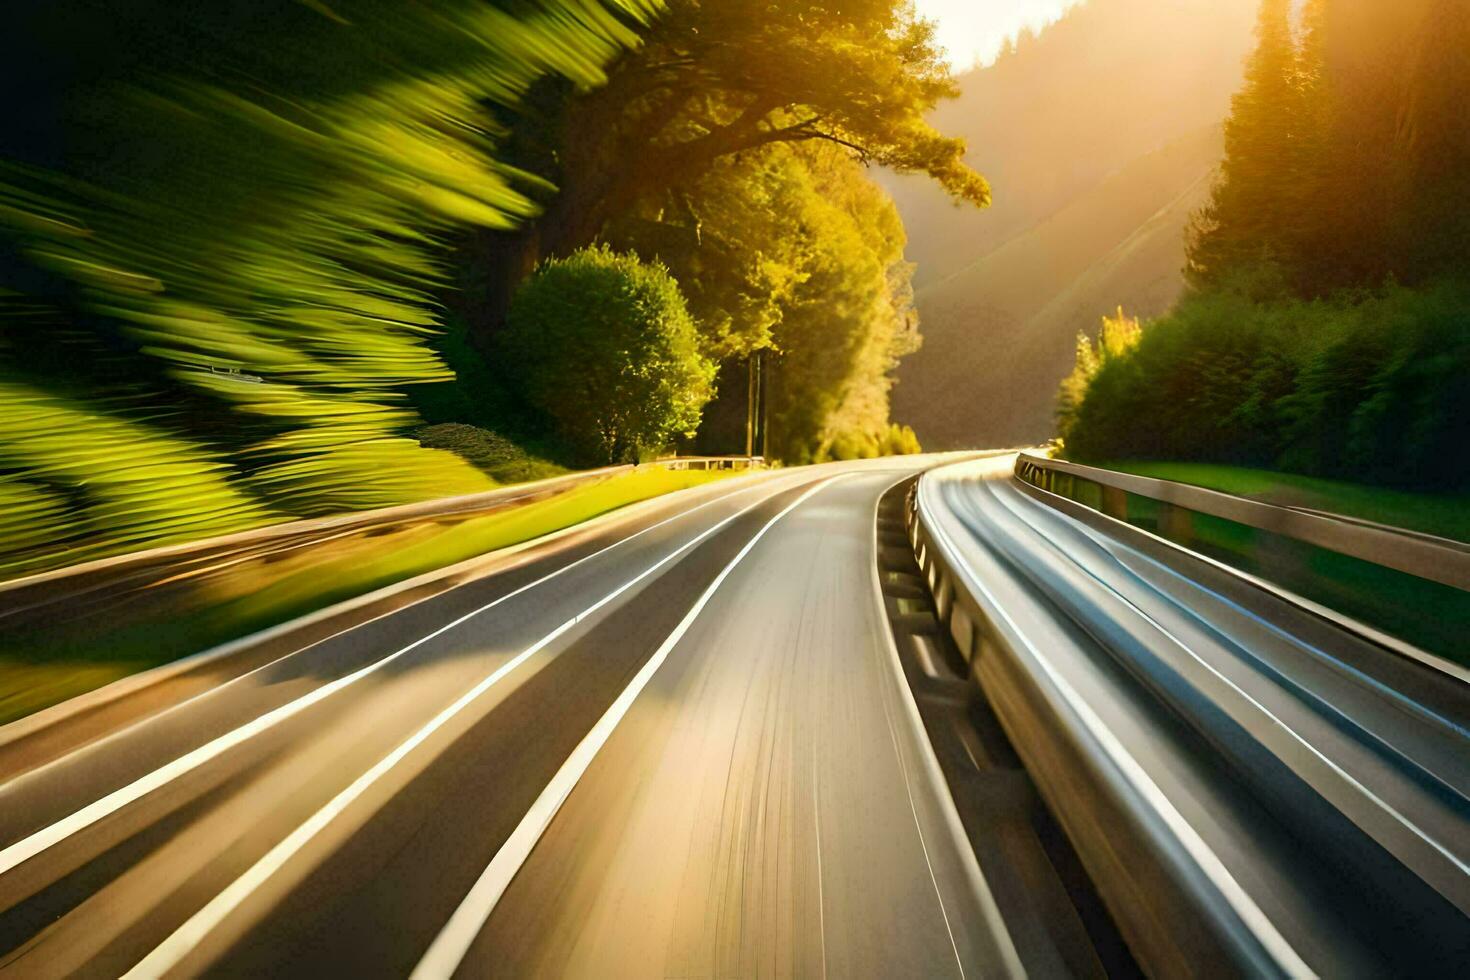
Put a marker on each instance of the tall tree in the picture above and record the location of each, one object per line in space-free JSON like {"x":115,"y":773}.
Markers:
{"x":793,"y":250}
{"x":1251,"y":212}
{"x":1431,"y":174}
{"x":717,"y":78}
{"x":1384,"y":91}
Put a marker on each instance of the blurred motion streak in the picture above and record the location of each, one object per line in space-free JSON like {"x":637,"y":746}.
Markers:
{"x":220,"y":241}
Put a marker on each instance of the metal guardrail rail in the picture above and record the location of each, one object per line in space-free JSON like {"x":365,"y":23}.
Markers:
{"x":107,"y":580}
{"x":1433,"y":559}
{"x":1155,"y":893}
{"x":1407,"y":592}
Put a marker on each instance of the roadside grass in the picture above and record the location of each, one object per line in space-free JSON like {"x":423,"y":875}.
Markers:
{"x":1445,"y":515}
{"x":44,"y":667}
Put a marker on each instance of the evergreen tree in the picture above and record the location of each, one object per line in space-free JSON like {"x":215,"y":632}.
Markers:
{"x":1430,"y":177}
{"x":1319,"y":216}
{"x":1251,"y":212}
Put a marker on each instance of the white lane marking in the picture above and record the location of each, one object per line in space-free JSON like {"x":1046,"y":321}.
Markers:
{"x":817,"y":832}
{"x":1347,"y":777}
{"x":172,"y":950}
{"x":28,"y":847}
{"x":449,"y":948}
{"x":1250,"y":914}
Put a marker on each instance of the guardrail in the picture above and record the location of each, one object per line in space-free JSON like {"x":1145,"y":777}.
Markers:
{"x":712,"y":462}
{"x":1154,"y":896}
{"x":1435,"y":559}
{"x":106,"y":581}
{"x":1156,"y":893}
{"x":1410,"y":586}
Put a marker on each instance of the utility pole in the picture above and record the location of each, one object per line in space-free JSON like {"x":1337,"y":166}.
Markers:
{"x":757,"y":404}
{"x":763,"y":402}
{"x":752,"y":398}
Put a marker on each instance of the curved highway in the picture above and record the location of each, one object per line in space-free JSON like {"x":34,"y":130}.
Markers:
{"x":705,"y":737}
{"x":675,"y":744}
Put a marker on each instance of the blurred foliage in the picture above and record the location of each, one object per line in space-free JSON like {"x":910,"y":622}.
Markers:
{"x":226,"y":235}
{"x":221,"y":238}
{"x":604,"y":345}
{"x":896,"y":440}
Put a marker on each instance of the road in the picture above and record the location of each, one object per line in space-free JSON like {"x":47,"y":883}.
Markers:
{"x":706,"y":737}
{"x":678,"y":745}
{"x":1307,"y":791}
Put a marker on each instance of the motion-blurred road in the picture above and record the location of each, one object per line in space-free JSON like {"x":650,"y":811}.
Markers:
{"x":678,"y":746}
{"x":686,"y":741}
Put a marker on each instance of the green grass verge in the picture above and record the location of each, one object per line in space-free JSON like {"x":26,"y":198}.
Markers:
{"x":44,"y":668}
{"x":1446,"y":515}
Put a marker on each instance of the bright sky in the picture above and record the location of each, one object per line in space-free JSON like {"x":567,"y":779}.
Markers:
{"x":975,"y":30}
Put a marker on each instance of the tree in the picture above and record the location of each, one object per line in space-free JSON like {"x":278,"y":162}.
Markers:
{"x":1256,"y":197}
{"x":604,"y":345}
{"x":1118,"y":337}
{"x":1387,"y":175}
{"x":716,"y":79}
{"x":1431,"y":172}
{"x":790,"y":249}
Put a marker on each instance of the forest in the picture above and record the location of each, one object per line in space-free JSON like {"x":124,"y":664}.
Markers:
{"x":1326,"y":328}
{"x":282,"y":258}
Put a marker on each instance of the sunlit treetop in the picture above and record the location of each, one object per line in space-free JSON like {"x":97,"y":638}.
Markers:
{"x":725,"y":77}
{"x":862,"y":74}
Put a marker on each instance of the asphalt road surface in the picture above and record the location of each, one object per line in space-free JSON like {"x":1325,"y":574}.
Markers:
{"x":678,"y":745}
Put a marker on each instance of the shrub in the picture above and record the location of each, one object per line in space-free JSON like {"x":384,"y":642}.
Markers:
{"x":900,"y":440}
{"x":603,"y":344}
{"x":490,"y":452}
{"x":1370,"y":387}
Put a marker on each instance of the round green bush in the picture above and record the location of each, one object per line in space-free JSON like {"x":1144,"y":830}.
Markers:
{"x":603,"y":344}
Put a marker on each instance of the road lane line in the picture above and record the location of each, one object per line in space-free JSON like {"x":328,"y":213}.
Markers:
{"x":449,"y":948}
{"x":1250,"y":914}
{"x":172,"y":950}
{"x":28,"y":847}
{"x":817,"y":832}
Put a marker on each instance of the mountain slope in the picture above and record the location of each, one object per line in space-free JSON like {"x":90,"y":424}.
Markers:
{"x":1100,"y":137}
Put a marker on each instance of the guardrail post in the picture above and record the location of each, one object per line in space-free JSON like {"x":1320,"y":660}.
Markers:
{"x":1176,"y":523}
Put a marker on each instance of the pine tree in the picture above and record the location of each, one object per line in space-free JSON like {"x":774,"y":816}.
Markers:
{"x":1319,"y":213}
{"x":1430,"y":174}
{"x":1252,"y":213}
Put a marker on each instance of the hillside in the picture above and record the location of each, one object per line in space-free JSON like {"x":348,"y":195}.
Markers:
{"x":1100,"y":139}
